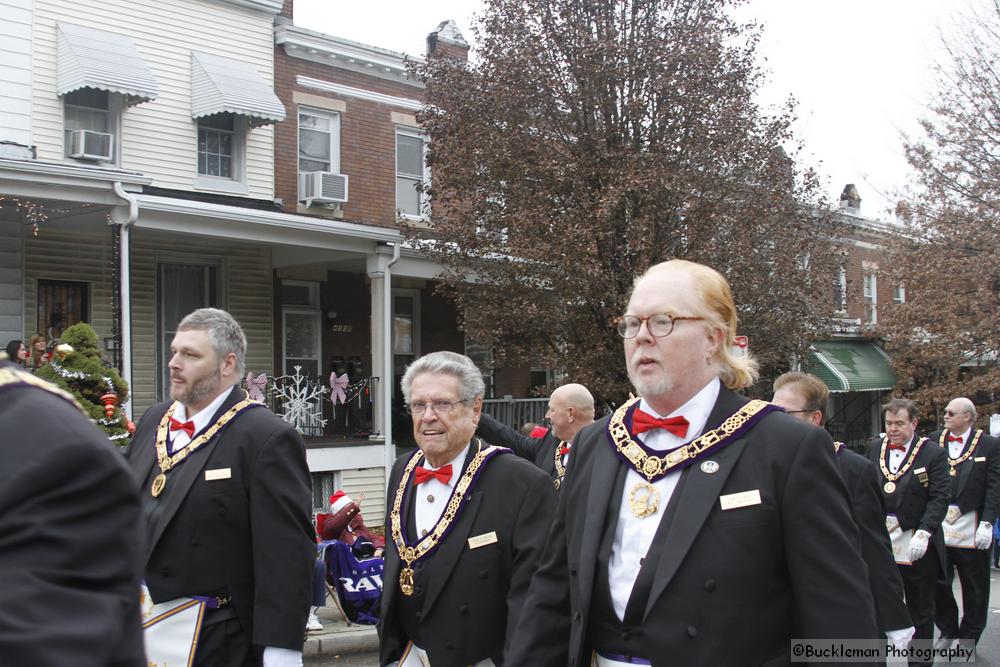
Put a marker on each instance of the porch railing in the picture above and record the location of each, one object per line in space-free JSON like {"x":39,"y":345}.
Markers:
{"x":315,"y":407}
{"x":515,"y":412}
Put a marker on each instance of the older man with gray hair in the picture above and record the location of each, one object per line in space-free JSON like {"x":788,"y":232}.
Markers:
{"x":227,"y":501}
{"x":466,"y":525}
{"x":974,"y":471}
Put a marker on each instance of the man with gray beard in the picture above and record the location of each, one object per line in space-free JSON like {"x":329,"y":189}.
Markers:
{"x":695,"y":527}
{"x":226,"y":498}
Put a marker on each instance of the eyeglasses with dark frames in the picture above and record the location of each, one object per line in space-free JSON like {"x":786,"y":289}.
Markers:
{"x":439,"y":407}
{"x":952,"y":413}
{"x":659,"y":324}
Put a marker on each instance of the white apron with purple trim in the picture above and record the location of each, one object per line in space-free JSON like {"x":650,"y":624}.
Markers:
{"x":414,"y":656}
{"x":960,"y":529}
{"x":900,"y":540}
{"x":170,"y":630}
{"x":601,"y":660}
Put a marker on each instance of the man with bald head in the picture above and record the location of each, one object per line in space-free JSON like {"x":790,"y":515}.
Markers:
{"x":694,"y":525}
{"x":974,"y":472}
{"x":571,"y":407}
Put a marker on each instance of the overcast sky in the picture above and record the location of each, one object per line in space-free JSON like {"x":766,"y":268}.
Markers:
{"x":860,"y":70}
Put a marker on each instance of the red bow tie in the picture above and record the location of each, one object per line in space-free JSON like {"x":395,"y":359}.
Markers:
{"x":955,"y":438}
{"x":422,"y":474}
{"x":901,"y":448}
{"x":564,"y":450}
{"x":642,"y":422}
{"x":187,"y":427}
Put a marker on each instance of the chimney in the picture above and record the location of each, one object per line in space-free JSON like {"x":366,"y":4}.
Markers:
{"x":286,"y":9}
{"x":446,"y":40}
{"x":850,"y":200}
{"x":904,"y":212}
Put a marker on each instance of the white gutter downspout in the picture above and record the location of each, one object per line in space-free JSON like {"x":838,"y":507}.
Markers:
{"x":125,"y":289}
{"x":387,"y":381}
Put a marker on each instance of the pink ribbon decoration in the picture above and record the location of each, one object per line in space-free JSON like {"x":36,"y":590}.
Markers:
{"x":256,"y":386}
{"x":338,"y":388}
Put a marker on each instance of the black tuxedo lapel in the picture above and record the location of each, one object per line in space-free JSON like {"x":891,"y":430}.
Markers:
{"x":143,"y":459}
{"x":185,"y":475}
{"x":444,"y":559}
{"x":599,"y":503}
{"x":696,"y":499}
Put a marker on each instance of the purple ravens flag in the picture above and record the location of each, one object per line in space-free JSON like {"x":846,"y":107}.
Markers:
{"x":358,"y":582}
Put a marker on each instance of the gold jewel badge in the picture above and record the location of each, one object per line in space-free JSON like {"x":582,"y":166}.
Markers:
{"x":890,"y":487}
{"x":406,"y":581}
{"x":953,"y":472}
{"x":158,"y":484}
{"x":643,"y":500}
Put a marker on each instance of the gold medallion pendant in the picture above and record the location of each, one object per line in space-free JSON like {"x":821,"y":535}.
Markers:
{"x":406,"y":581}
{"x":890,"y":487}
{"x":643,"y":500}
{"x":953,"y":472}
{"x":158,"y":483}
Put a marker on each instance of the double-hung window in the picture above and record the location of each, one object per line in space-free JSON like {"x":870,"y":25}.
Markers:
{"x":217,"y":143}
{"x":411,"y":173}
{"x":93,"y":110}
{"x":319,"y":141}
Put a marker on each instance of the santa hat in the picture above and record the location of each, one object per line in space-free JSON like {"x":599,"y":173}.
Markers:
{"x":339,"y":501}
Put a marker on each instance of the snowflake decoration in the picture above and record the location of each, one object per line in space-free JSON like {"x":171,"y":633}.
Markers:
{"x":301,"y":401}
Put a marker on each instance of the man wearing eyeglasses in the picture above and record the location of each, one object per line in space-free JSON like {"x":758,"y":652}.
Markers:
{"x":912,"y":472}
{"x":974,"y":473}
{"x":695,"y":527}
{"x":805,"y":396}
{"x":465,"y":522}
{"x":571,"y":408}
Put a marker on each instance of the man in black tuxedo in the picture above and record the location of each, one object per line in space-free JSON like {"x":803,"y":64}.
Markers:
{"x":694,"y":526}
{"x":70,"y":534}
{"x":227,"y":500}
{"x":914,"y":478}
{"x":974,"y":467}
{"x":805,"y":396}
{"x":571,"y":408}
{"x":465,"y":523}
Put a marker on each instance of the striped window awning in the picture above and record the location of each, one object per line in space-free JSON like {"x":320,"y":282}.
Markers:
{"x":224,"y":85}
{"x":850,"y":365}
{"x":91,"y":58}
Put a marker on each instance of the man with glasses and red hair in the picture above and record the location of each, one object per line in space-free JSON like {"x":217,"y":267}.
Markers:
{"x":974,"y":473}
{"x":694,"y":527}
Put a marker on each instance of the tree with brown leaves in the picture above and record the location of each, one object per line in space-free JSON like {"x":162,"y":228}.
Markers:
{"x":590,"y":139}
{"x":945,"y":341}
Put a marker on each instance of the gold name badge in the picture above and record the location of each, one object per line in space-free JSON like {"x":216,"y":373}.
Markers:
{"x":979,"y":459}
{"x":483,"y":540}
{"x":742,"y":499}
{"x":218,"y":473}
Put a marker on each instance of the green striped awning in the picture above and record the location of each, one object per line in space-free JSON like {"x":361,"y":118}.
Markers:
{"x":850,"y":365}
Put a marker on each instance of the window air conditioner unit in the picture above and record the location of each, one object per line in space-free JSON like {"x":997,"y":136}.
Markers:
{"x":88,"y":145}
{"x":322,"y":187}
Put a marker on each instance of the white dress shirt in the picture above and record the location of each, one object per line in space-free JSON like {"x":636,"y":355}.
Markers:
{"x":431,"y":497}
{"x":633,"y":535}
{"x":897,"y":457}
{"x":955,"y":447}
{"x":179,"y":439}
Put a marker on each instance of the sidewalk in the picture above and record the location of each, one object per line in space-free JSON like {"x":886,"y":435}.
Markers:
{"x":338,"y":638}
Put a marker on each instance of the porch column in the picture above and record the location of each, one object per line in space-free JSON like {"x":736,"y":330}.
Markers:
{"x":377,"y":271}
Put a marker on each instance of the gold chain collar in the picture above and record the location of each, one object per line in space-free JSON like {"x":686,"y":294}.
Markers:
{"x":954,"y":463}
{"x":892,"y":477}
{"x":560,"y":468}
{"x":430,"y":541}
{"x":651,"y":466}
{"x":167,"y":462}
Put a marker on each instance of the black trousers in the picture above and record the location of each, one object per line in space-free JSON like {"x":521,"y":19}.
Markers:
{"x":223,"y":642}
{"x":919,"y":587}
{"x":973,"y":567}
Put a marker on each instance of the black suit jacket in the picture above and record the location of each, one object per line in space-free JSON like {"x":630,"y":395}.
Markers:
{"x":977,"y":483}
{"x":249,"y":536}
{"x":540,"y":451}
{"x":868,"y":509}
{"x":70,"y":538}
{"x":729,"y":584}
{"x":918,"y":506}
{"x":473,"y":597}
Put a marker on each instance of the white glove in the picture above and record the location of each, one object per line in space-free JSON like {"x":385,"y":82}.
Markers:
{"x":282,"y":657}
{"x":918,"y":545}
{"x":995,"y":425}
{"x":900,"y":638}
{"x":984,"y":535}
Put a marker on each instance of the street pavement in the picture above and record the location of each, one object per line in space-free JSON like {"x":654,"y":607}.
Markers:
{"x":340,"y":645}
